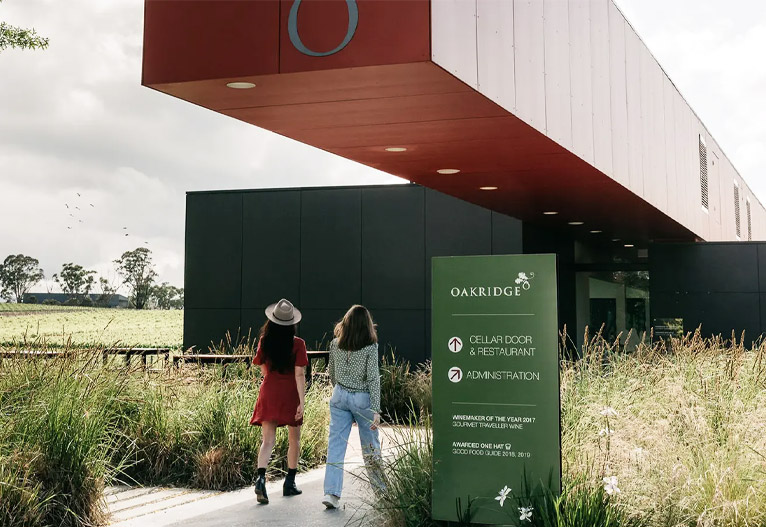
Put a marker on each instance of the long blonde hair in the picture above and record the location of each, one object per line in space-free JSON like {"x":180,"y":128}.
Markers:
{"x":356,"y":329}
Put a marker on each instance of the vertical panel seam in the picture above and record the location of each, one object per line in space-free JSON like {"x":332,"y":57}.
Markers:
{"x":426,"y":264}
{"x":513,"y":45}
{"x":300,"y":247}
{"x":241,"y":260}
{"x":361,"y":246}
{"x":545,"y":75}
{"x":476,"y":40}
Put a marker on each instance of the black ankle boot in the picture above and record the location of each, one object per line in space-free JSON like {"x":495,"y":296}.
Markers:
{"x":260,"y":490}
{"x":289,"y":488}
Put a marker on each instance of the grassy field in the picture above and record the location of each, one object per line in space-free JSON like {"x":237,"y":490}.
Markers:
{"x":58,"y":326}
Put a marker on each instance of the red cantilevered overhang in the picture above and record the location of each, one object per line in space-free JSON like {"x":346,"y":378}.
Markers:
{"x":379,"y":91}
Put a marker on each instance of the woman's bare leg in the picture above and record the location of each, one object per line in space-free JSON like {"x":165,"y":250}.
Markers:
{"x":268,"y":439}
{"x":294,"y":448}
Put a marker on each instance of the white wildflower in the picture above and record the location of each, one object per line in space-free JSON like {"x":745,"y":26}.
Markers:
{"x":605,"y":432}
{"x":610,"y":485}
{"x":525,"y":514}
{"x":503,"y":494}
{"x":609,"y":412}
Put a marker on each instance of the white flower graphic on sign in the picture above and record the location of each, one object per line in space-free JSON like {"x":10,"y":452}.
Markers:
{"x":525,"y":514}
{"x":503,"y":494}
{"x":610,"y":485}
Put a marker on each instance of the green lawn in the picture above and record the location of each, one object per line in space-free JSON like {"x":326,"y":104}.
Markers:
{"x":55,"y":326}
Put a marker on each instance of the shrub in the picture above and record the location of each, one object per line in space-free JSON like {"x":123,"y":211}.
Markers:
{"x":31,"y":299}
{"x":406,"y":499}
{"x":22,"y":501}
{"x":81,"y":425}
{"x":72,"y":302}
{"x":404,"y":392}
{"x":51,"y":302}
{"x":86,"y":301}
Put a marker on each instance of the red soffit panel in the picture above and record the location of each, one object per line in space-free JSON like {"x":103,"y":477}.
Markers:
{"x":335,"y":34}
{"x":209,"y":39}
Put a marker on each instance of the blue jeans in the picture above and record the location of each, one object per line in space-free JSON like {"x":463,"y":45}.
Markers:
{"x":346,"y":408}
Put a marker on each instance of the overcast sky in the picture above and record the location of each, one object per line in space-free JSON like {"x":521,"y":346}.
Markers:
{"x":75,"y":119}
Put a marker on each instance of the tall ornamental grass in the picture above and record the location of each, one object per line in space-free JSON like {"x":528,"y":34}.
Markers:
{"x":670,"y":435}
{"x":69,"y":426}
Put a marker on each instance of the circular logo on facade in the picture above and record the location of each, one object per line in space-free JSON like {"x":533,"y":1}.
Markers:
{"x":292,"y":30}
{"x":455,"y":374}
{"x":455,"y":344}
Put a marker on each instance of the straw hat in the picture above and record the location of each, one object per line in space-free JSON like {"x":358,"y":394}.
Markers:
{"x":283,"y":313}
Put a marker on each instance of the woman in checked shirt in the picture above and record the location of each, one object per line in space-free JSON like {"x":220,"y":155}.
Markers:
{"x":354,"y":371}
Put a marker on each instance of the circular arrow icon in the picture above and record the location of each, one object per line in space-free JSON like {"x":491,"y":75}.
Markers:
{"x":455,"y":344}
{"x":455,"y":374}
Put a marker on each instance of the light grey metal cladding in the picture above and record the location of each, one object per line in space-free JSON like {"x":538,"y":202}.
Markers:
{"x":578,"y":72}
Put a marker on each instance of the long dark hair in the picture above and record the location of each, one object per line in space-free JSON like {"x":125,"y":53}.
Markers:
{"x":277,"y":346}
{"x":356,"y":329}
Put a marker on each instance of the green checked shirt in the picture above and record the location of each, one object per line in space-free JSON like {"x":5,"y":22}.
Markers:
{"x":357,"y":371}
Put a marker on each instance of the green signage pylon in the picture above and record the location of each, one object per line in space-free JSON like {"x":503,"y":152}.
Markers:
{"x":496,"y":410}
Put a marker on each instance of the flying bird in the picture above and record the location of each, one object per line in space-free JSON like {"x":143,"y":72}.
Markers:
{"x":147,"y":243}
{"x":78,"y":208}
{"x":124,"y":228}
{"x":69,"y":227}
{"x":67,"y":205}
{"x":80,"y":221}
{"x":78,"y":194}
{"x":71,"y":215}
{"x":91,"y":204}
{"x":126,"y":234}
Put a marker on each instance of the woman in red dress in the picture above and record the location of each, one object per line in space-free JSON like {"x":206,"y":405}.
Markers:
{"x":282,"y":358}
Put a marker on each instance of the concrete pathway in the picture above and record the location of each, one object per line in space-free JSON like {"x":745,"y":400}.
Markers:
{"x":166,"y":507}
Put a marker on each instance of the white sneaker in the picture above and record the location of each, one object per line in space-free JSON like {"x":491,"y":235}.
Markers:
{"x":331,"y":501}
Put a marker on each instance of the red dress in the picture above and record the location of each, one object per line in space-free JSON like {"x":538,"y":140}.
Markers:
{"x":278,"y":397}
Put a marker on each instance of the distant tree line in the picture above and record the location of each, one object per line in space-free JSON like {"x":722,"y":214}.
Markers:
{"x":19,"y":273}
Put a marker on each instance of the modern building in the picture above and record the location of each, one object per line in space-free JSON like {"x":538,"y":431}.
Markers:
{"x":550,"y":114}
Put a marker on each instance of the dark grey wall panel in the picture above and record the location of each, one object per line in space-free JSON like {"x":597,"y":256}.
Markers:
{"x":213,"y":263}
{"x":763,"y":312}
{"x":717,"y":313}
{"x":762,"y":267}
{"x":317,"y":326}
{"x":271,"y":253}
{"x":331,"y":248}
{"x":718,"y":267}
{"x":403,"y":330}
{"x":201,"y":326}
{"x":454,"y":228}
{"x":506,"y":234}
{"x":717,"y":285}
{"x":393,"y":248}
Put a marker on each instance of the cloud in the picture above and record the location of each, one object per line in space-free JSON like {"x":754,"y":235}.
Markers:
{"x":74,"y":118}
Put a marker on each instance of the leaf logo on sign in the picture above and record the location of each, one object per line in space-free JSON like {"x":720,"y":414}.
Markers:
{"x":523,"y":280}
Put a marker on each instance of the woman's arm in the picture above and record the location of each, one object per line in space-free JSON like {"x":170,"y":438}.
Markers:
{"x":373,"y":383}
{"x":300,"y":382}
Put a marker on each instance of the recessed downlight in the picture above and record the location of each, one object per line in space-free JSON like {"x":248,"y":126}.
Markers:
{"x":576,"y":223}
{"x":487,"y":188}
{"x":550,"y":212}
{"x":396,"y":149}
{"x":628,"y":245}
{"x":595,"y":231}
{"x":447,"y":171}
{"x":240,"y":85}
